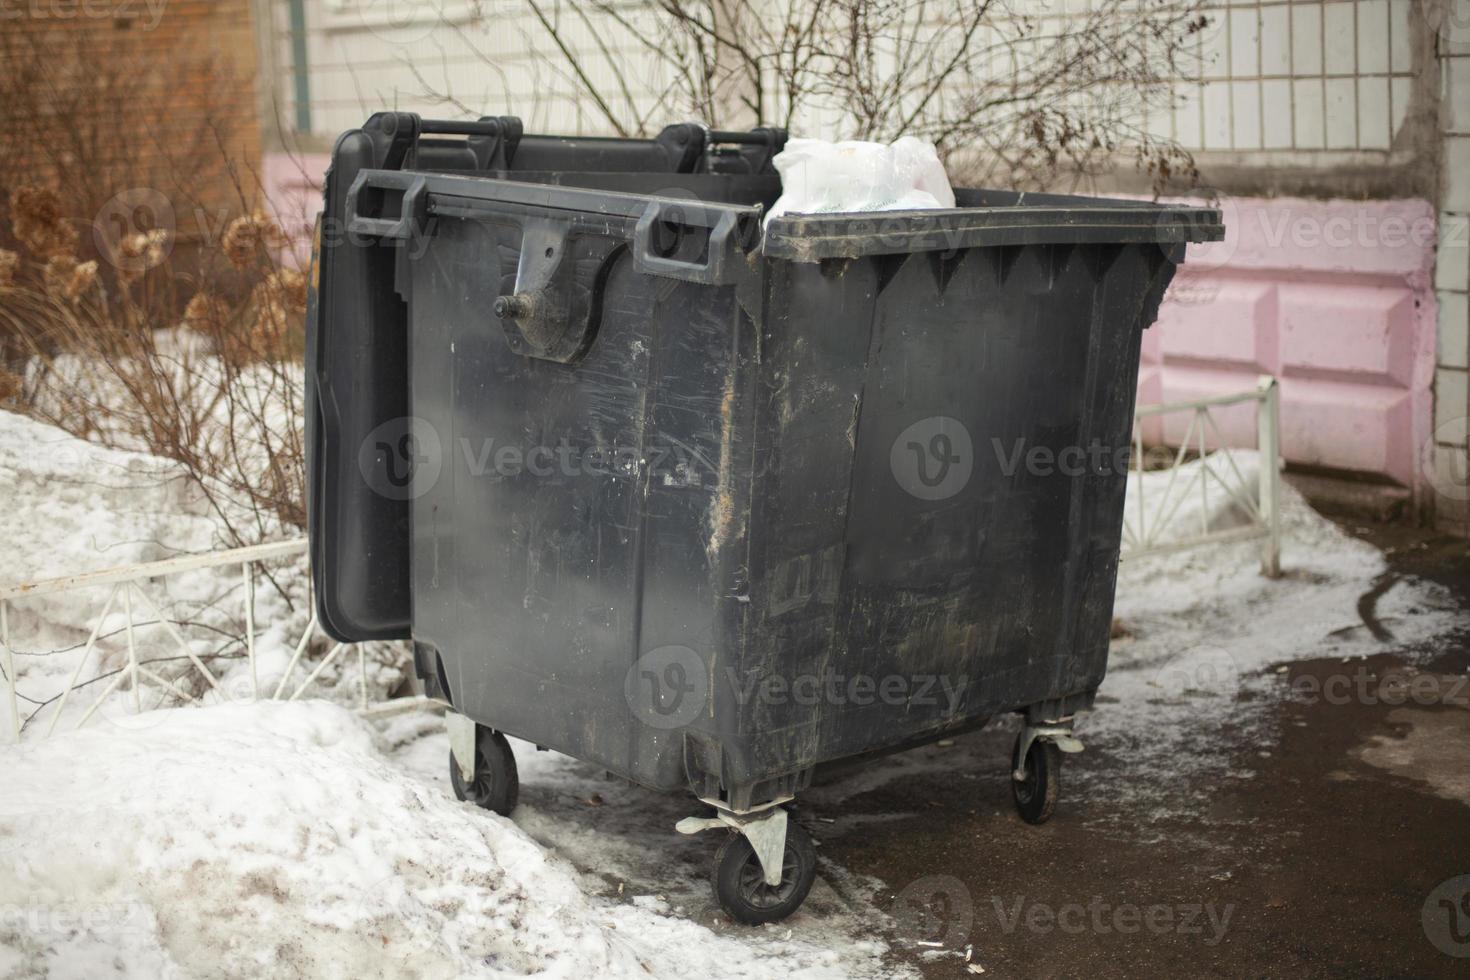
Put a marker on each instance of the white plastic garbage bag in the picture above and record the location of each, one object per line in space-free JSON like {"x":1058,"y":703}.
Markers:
{"x":818,"y":176}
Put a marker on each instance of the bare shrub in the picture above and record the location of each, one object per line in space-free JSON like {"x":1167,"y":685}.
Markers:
{"x":142,"y":303}
{"x":1012,"y":93}
{"x":221,"y":395}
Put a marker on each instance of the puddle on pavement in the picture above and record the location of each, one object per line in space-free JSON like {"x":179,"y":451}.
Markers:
{"x":1430,"y":745}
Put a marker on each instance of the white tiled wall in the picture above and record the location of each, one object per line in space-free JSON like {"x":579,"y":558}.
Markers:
{"x":1452,"y":285}
{"x":487,"y":56}
{"x":1284,"y":75}
{"x":1288,"y":80}
{"x":1279,"y":75}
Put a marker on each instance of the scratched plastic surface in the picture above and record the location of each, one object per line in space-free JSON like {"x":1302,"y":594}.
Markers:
{"x":707,"y":507}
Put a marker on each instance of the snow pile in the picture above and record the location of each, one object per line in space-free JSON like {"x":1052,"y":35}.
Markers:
{"x":1206,"y":495}
{"x":275,"y":839}
{"x":74,"y":507}
{"x":619,"y":838}
{"x":1214,"y":595}
{"x":235,"y":409}
{"x":294,"y":839}
{"x":1206,"y":629}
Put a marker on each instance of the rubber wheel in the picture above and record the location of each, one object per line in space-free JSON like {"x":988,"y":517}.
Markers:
{"x":497,"y":785}
{"x":1036,"y":795}
{"x":740,"y":886}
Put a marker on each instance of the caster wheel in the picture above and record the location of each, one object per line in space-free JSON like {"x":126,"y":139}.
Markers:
{"x":497,"y":784}
{"x":740,"y":886}
{"x":1036,"y":795}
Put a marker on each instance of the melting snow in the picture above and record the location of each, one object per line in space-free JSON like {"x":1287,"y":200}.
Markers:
{"x":242,"y":840}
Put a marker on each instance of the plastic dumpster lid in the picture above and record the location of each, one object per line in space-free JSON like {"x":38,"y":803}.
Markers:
{"x":991,"y":218}
{"x":1004,"y":219}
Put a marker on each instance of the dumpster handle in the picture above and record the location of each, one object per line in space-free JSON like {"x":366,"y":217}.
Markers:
{"x":715,"y":270}
{"x":410,"y":211}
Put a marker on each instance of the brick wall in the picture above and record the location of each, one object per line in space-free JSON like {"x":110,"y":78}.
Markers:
{"x":152,"y":93}
{"x":1333,"y":298}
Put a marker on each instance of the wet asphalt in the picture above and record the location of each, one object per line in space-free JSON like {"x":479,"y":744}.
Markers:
{"x":1336,"y":858}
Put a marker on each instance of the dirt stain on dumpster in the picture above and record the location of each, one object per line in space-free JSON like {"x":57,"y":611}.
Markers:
{"x":722,"y":508}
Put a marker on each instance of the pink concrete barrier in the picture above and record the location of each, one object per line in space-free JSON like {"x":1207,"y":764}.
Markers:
{"x":1335,"y":298}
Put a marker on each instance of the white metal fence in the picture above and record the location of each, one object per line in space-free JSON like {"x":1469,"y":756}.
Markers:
{"x":130,"y":588}
{"x":1151,"y":525}
{"x":1149,"y":528}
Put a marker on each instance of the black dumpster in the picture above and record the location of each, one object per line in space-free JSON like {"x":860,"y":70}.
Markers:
{"x":710,"y":505}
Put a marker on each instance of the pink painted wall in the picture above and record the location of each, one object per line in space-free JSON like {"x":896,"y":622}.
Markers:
{"x":1335,"y":298}
{"x":293,"y":193}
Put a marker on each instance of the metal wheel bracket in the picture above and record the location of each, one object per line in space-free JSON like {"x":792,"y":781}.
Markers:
{"x":1059,"y":733}
{"x":765,"y":828}
{"x":461,"y":743}
{"x":767,"y":836}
